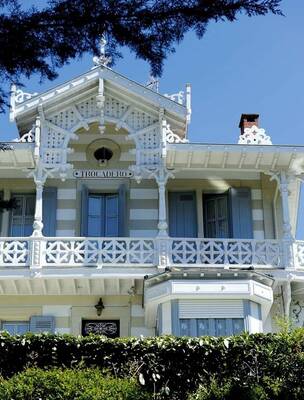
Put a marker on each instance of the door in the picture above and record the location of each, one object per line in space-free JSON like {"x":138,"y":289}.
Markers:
{"x":182,"y":214}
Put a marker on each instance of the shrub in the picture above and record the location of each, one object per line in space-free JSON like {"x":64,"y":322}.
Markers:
{"x":58,"y":384}
{"x":266,"y":389}
{"x":169,"y":366}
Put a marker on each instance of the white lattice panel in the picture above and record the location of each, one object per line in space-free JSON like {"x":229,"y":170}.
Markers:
{"x":52,"y":156}
{"x":114,"y":108}
{"x":298,"y":249}
{"x":69,"y":252}
{"x":88,"y":108}
{"x":65,"y":119}
{"x":149,"y":145}
{"x":53,"y":139}
{"x":139,"y":120}
{"x":226,"y":251}
{"x":14,"y":252}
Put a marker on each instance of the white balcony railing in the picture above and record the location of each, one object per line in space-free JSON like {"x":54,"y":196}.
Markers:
{"x":298,"y":251}
{"x":64,"y":252}
{"x":226,"y":251}
{"x":97,"y":251}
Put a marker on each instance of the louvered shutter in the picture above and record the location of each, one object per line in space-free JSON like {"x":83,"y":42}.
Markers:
{"x":42,"y":323}
{"x":84,"y":211}
{"x":122,"y":211}
{"x":49,"y":210}
{"x":227,"y":308}
{"x":182,"y":214}
{"x":111,"y":215}
{"x":1,"y":212}
{"x":241,"y":213}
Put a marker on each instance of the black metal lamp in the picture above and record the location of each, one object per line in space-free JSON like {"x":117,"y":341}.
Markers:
{"x":99,"y":307}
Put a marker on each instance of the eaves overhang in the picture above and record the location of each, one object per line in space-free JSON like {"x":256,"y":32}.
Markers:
{"x":18,"y":156}
{"x":258,"y":158}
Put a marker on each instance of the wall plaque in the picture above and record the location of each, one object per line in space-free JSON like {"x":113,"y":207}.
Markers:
{"x":109,"y":328}
{"x":102,"y":173}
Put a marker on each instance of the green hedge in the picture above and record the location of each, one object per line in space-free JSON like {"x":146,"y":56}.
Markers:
{"x":265,"y":389}
{"x":172,"y":367}
{"x":57,"y":384}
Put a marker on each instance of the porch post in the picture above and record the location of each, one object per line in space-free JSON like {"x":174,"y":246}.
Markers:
{"x":287,"y":234}
{"x":162,"y":212}
{"x":38,"y":224}
{"x":161,"y":180}
{"x":283,"y":186}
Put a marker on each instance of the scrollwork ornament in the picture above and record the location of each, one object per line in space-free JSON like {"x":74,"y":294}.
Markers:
{"x":172,"y":137}
{"x":297,"y":309}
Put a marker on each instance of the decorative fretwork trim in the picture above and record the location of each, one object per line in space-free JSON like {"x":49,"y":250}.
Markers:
{"x":254,"y":135}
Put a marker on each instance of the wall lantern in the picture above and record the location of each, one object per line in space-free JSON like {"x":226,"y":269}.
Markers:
{"x":99,"y":307}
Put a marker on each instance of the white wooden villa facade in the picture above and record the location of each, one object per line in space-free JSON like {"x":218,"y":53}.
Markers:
{"x":125,"y":228}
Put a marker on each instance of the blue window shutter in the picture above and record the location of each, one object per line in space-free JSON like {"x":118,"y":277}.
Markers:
{"x":159,"y":322}
{"x":42,"y":323}
{"x":1,"y":212}
{"x":173,"y":214}
{"x":122,"y":210}
{"x":84,"y":211}
{"x":49,"y":209}
{"x":175,"y":321}
{"x":111,"y":216}
{"x":182,"y":214}
{"x":241,"y":213}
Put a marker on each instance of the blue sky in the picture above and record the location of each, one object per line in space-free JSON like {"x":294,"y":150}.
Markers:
{"x":252,"y":65}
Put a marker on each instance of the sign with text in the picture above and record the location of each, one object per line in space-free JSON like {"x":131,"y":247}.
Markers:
{"x":102,"y":173}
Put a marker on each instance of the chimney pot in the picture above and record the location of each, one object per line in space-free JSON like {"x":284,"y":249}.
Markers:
{"x":248,"y":120}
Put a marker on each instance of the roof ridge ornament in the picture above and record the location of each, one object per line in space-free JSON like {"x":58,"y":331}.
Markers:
{"x":254,"y":135}
{"x":102,"y":60}
{"x":153,"y":83}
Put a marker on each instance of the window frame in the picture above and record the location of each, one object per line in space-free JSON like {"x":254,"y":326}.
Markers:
{"x":212,"y":326}
{"x":205,"y":197}
{"x":23,"y":216}
{"x":103,"y":219}
{"x":16,"y":323}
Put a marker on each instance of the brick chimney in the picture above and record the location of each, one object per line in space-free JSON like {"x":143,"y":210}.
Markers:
{"x":248,"y":120}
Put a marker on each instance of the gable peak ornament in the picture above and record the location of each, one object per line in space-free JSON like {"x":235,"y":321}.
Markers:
{"x":102,"y":60}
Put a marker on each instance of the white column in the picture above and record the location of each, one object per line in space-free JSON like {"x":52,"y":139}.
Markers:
{"x":162,"y":212}
{"x":37,"y":247}
{"x":38,"y":224}
{"x":288,"y":239}
{"x":283,"y":186}
{"x":161,"y":178}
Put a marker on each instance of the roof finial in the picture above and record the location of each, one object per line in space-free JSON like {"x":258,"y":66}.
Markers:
{"x":102,"y":60}
{"x":153,"y":83}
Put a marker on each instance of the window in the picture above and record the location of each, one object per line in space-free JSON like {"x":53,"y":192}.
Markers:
{"x":22,"y":217}
{"x":216,"y":216}
{"x":103,"y":215}
{"x":211,"y":326}
{"x":16,"y":328}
